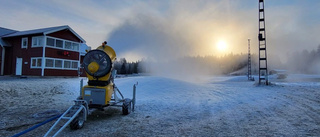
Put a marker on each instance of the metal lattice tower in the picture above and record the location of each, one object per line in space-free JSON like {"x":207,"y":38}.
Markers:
{"x":263,"y":65}
{"x":249,"y":62}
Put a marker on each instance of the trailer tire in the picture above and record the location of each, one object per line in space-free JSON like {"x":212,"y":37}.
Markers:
{"x":78,"y":121}
{"x":126,"y":106}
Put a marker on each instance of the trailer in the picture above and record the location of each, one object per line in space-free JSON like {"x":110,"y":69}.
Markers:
{"x":99,"y":93}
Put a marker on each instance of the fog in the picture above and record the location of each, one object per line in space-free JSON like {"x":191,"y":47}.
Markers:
{"x":183,"y":29}
{"x":164,"y":36}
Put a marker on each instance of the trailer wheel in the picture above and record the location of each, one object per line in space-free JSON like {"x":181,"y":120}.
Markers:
{"x":126,"y":106}
{"x":78,"y":121}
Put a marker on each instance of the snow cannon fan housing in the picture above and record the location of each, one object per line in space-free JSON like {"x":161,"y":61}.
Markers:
{"x":98,"y":65}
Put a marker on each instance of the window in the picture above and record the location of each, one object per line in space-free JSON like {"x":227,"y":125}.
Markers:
{"x":50,"y":42}
{"x":59,"y":43}
{"x":49,"y":63}
{"x":39,"y":62}
{"x":24,"y":43}
{"x":68,"y":45}
{"x":67,"y":64}
{"x":74,"y":64}
{"x":54,"y":63}
{"x":37,"y":41}
{"x":58,"y":63}
{"x":75,"y":46}
{"x":36,"y":62}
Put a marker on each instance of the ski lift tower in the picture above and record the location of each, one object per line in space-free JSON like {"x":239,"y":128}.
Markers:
{"x":263,"y":65}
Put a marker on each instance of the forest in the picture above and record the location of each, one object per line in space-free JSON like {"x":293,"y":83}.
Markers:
{"x":307,"y":62}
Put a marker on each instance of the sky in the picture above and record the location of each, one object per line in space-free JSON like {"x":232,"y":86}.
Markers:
{"x":165,"y":29}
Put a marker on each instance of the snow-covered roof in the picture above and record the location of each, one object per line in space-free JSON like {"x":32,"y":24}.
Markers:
{"x":44,"y":31}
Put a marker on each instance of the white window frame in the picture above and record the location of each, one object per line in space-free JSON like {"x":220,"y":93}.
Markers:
{"x":38,"y":42}
{"x":54,"y":42}
{"x":53,"y":64}
{"x":78,"y":46}
{"x":63,"y":60}
{"x":37,"y":60}
{"x":22,"y":41}
{"x":64,"y":44}
{"x":64,"y":63}
{"x":77,"y":65}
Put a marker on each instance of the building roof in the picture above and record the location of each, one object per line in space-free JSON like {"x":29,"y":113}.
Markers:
{"x":43,"y":31}
{"x":5,"y":31}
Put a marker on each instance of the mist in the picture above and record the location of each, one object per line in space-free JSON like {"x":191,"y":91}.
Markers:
{"x":183,"y":30}
{"x":164,"y":34}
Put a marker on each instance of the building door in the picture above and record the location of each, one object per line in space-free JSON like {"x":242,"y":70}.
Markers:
{"x":19,"y":66}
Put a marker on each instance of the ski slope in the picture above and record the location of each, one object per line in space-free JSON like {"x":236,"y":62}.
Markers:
{"x":214,"y":106}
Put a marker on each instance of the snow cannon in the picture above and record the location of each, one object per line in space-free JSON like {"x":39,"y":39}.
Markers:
{"x":100,"y":92}
{"x":98,"y":67}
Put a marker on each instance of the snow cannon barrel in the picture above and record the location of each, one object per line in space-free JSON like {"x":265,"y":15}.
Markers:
{"x":98,"y":65}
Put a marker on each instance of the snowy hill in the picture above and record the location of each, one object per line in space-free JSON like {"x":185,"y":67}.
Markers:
{"x":217,"y":106}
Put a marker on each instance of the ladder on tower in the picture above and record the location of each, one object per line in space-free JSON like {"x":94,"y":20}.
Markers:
{"x":263,"y":65}
{"x":249,"y":62}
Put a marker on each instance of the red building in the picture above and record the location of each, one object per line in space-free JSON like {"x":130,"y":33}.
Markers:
{"x":53,"y":51}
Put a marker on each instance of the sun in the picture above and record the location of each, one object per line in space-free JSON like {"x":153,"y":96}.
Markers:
{"x":222,"y":46}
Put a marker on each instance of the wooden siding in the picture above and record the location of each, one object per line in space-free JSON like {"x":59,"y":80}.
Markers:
{"x":53,"y":53}
{"x":65,"y":34}
{"x":15,"y":51}
{"x":8,"y":62}
{"x":60,"y":72}
{"x":32,"y":72}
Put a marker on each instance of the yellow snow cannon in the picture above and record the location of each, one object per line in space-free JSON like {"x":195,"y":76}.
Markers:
{"x":98,"y":67}
{"x":100,"y":92}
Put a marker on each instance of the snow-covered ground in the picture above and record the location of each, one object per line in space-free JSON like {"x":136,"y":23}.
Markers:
{"x":216,"y":106}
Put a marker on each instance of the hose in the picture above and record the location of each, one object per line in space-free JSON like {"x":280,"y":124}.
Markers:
{"x":36,"y":126}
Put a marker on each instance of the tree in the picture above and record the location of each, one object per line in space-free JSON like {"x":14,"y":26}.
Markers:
{"x":123,"y":68}
{"x":135,"y":67}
